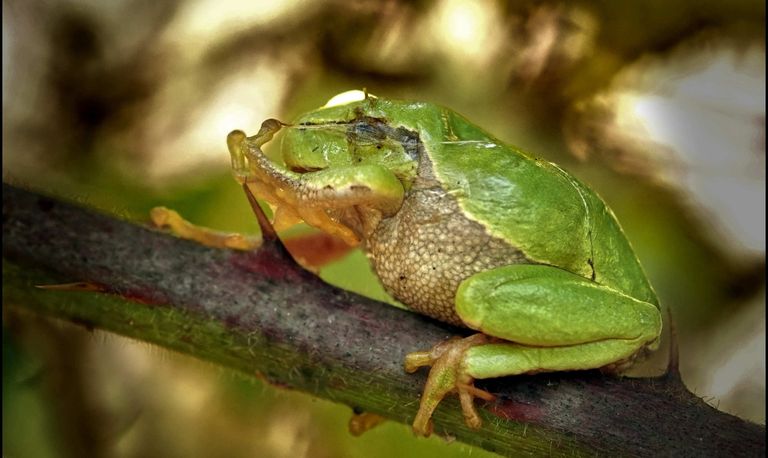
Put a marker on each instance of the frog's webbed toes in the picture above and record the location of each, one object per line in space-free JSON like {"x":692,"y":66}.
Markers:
{"x":448,"y":374}
{"x":245,"y":151}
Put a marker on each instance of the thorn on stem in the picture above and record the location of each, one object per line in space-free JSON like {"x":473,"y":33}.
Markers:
{"x":673,"y":365}
{"x":269,"y":237}
{"x":75,"y":286}
{"x":267,"y":231}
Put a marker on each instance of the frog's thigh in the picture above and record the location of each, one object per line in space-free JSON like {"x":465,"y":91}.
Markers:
{"x":556,"y":319}
{"x":503,"y":359}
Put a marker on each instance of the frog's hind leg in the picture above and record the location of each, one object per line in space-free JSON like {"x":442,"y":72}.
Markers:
{"x":456,"y":363}
{"x":542,"y":319}
{"x":447,"y":375}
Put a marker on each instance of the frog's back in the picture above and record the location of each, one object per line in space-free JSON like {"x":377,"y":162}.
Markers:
{"x":530,"y":203}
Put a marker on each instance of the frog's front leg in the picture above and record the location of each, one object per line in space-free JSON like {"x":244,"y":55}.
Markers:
{"x":316,"y":197}
{"x":163,"y":217}
{"x":549,"y":320}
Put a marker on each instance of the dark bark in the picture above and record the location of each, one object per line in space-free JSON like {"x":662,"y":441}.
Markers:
{"x":258,"y":312}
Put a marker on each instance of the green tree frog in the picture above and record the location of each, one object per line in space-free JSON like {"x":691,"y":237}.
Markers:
{"x":467,"y":230}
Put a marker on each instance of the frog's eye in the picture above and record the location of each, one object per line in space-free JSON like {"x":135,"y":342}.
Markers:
{"x":366,"y":132}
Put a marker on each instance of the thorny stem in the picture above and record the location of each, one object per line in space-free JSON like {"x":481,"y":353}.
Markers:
{"x":258,"y":312}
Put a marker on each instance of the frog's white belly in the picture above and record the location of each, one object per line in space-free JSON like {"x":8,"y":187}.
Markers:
{"x":429,"y":247}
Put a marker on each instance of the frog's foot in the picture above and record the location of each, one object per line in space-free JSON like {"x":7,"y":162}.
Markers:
{"x":345,"y":201}
{"x":165,"y":218}
{"x":241,"y":160}
{"x":448,"y":374}
{"x":362,"y":422}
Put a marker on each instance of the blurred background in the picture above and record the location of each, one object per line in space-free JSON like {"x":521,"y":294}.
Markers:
{"x":124,"y":105}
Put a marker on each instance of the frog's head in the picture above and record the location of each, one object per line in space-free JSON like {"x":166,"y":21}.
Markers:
{"x":353,"y":128}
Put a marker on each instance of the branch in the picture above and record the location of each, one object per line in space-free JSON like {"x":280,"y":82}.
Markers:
{"x":260,"y":313}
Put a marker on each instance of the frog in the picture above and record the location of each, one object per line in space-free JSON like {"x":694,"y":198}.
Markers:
{"x":465,"y":229}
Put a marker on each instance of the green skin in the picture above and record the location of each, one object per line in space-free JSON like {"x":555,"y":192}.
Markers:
{"x":578,"y":300}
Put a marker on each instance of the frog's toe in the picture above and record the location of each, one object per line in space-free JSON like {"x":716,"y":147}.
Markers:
{"x":363,"y":422}
{"x":467,"y":393}
{"x":448,"y":374}
{"x":417,"y":359}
